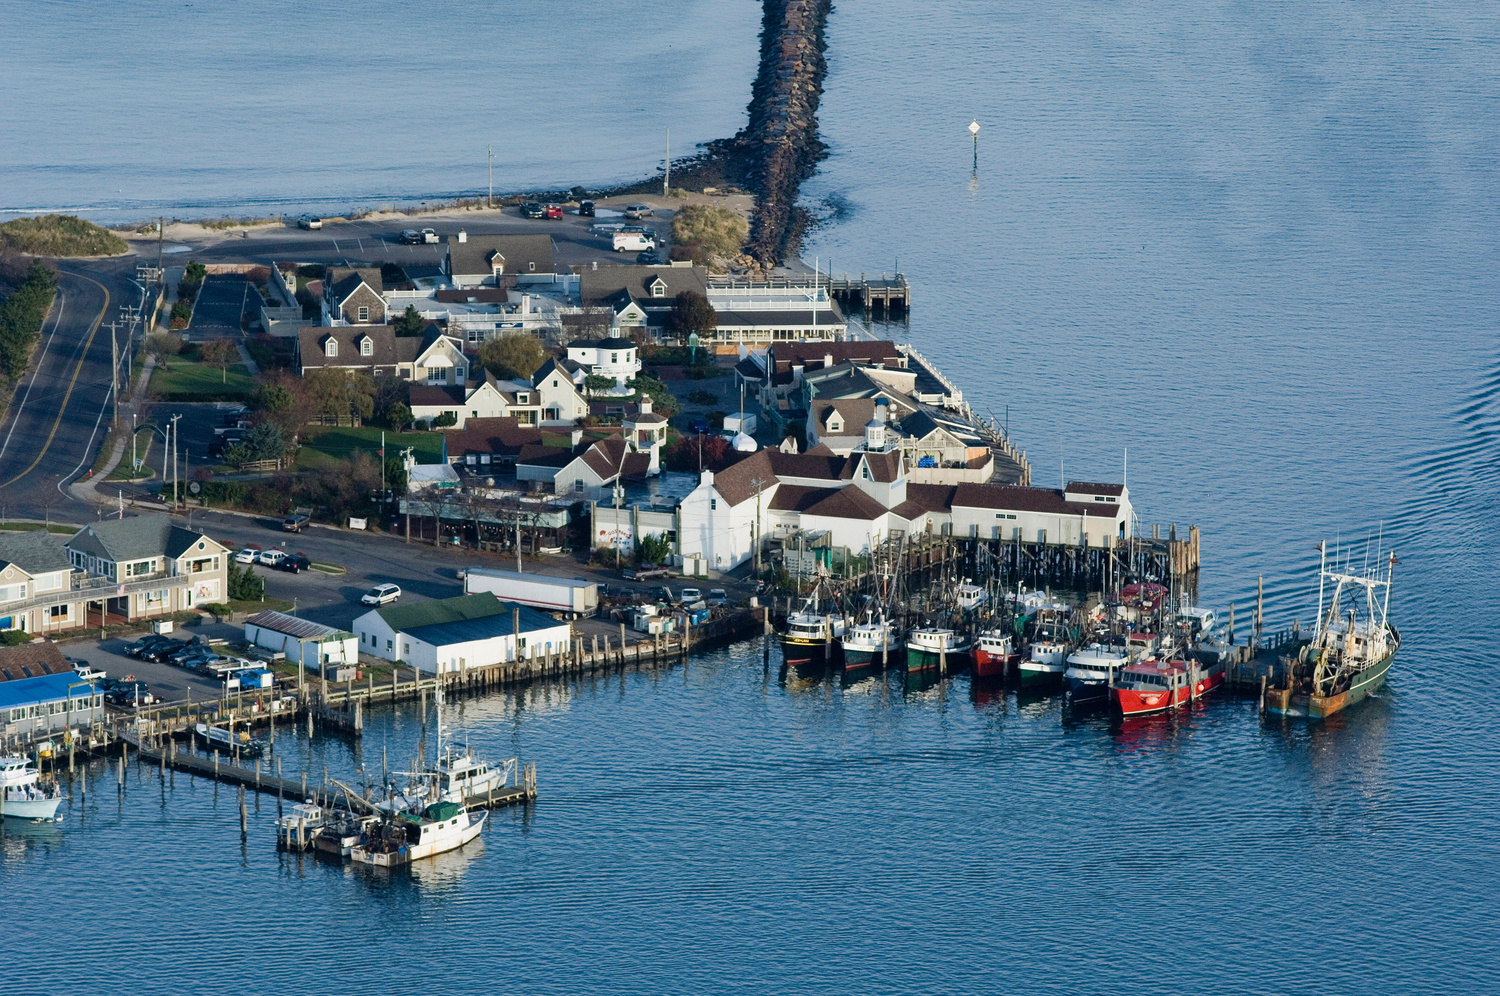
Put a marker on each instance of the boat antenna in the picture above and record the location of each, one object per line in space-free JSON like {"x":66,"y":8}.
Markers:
{"x":1322,"y":562}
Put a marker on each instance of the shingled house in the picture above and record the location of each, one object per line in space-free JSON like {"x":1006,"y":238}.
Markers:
{"x":639,"y":297}
{"x":484,"y":260}
{"x":352,"y":296}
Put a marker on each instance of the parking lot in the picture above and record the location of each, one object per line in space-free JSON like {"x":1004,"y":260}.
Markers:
{"x":221,"y":301}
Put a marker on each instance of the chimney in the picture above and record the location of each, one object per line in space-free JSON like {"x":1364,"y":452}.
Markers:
{"x":577,"y":437}
{"x":827,"y":359}
{"x":797,"y":369}
{"x":463,"y":236}
{"x":594,"y":265}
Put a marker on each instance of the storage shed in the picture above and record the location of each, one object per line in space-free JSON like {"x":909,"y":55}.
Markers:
{"x":312,"y":644}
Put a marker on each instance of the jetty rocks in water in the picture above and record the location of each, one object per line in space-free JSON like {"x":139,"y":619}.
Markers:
{"x":779,"y":147}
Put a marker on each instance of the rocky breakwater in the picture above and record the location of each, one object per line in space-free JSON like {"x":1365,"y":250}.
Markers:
{"x":779,"y":147}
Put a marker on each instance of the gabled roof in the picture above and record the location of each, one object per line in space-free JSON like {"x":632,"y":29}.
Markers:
{"x":123,"y":540}
{"x":600,"y":287}
{"x":1091,"y":488}
{"x":607,"y":455}
{"x":885,"y":468}
{"x":537,"y":455}
{"x":813,"y":355}
{"x":387,"y":348}
{"x":854,"y":413}
{"x":345,"y":280}
{"x":32,"y":660}
{"x":734,"y":483}
{"x":483,"y":628}
{"x":523,"y":254}
{"x":294,"y":626}
{"x":35,"y":552}
{"x":444,"y":610}
{"x":848,"y":503}
{"x":503,"y":436}
{"x":563,"y":368}
{"x":429,"y":395}
{"x":796,"y":498}
{"x":1015,"y":498}
{"x":812,"y":466}
{"x":612,"y":342}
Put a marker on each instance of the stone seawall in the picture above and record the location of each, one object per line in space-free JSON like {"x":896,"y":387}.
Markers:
{"x":779,"y":147}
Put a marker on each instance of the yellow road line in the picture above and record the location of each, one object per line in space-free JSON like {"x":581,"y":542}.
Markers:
{"x":84,"y":355}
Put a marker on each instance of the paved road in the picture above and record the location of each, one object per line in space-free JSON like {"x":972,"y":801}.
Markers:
{"x":59,"y":415}
{"x":221,"y":302}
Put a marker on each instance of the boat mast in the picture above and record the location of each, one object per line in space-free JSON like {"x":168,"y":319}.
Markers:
{"x":1322,"y":574}
{"x":1385,"y":604}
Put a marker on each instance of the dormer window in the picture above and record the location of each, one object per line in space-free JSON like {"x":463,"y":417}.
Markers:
{"x":523,"y":398}
{"x":658,"y":288}
{"x":366,"y":347}
{"x":331,"y":347}
{"x":364,"y":314}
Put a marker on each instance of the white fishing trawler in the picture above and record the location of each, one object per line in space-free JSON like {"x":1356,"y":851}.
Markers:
{"x":410,"y":836}
{"x":872,"y":643}
{"x":1351,"y":650}
{"x":22,"y":796}
{"x":295,"y":830}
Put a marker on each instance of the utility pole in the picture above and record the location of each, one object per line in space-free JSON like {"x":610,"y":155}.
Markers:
{"x":161,"y":234}
{"x":114,"y":373}
{"x":176,"y":477}
{"x":666,"y":177}
{"x":489,"y":201}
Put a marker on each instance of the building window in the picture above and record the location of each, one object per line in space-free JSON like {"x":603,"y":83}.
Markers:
{"x":388,"y":644}
{"x":60,"y":612}
{"x":614,"y":357}
{"x":458,"y":374}
{"x":713,"y":504}
{"x":364,"y":314}
{"x":366,"y":348}
{"x":658,"y":290}
{"x":331,"y":348}
{"x":523,"y":398}
{"x":12,"y":592}
{"x":531,"y":266}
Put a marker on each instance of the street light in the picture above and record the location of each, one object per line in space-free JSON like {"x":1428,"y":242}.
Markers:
{"x":974,"y":131}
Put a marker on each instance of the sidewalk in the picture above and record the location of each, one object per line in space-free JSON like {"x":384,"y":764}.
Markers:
{"x":85,"y":488}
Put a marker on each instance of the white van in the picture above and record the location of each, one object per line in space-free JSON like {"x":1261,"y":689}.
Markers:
{"x":633,"y":241}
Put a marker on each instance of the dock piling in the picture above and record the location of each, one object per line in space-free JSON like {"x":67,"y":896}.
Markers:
{"x":244,"y":817}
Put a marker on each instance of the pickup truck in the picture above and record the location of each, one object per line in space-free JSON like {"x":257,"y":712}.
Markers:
{"x":294,"y":522}
{"x":645,"y":572}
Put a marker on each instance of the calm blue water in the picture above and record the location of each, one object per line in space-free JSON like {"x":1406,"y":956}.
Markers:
{"x":200,"y":108}
{"x":1256,"y":246}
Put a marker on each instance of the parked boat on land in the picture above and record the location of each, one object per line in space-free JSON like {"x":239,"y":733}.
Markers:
{"x":1158,"y":684}
{"x":22,"y":795}
{"x":933,"y":648}
{"x":1351,"y":649}
{"x":1090,"y":671}
{"x":872,"y":643}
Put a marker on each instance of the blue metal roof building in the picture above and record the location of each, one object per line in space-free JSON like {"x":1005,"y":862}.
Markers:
{"x":48,"y":703}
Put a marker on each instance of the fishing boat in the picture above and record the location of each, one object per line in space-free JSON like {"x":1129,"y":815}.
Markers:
{"x":933,"y":648}
{"x":995,"y":654}
{"x":342,"y":833}
{"x":412,"y":835}
{"x":1161,"y":683}
{"x":1044,"y":662}
{"x":229,"y":740}
{"x":295,"y":830}
{"x":813,"y":638}
{"x":1090,"y":671}
{"x":1351,"y":649}
{"x":970,"y":596}
{"x":461,"y":777}
{"x":22,"y":796}
{"x":871,"y":643}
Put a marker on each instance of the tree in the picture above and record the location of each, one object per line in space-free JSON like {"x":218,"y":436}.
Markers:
{"x":339,"y":394}
{"x":691,"y":313}
{"x":395,"y":476}
{"x":217,"y":353}
{"x":390,"y":389}
{"x":515,"y":355}
{"x":690,"y":453}
{"x":409,"y":323}
{"x":264,"y":441}
{"x":244,"y":584}
{"x":162,"y":345}
{"x":397,"y":415}
{"x":662,"y":401}
{"x":444,"y":420}
{"x":597,"y":383}
{"x":283,"y":401}
{"x":653,"y":548}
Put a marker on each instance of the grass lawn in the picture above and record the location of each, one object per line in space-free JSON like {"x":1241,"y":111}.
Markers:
{"x":195,"y":379}
{"x":26,"y":527}
{"x":333,"y":443}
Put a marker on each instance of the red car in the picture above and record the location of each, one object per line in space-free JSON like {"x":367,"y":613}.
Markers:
{"x":554,"y":210}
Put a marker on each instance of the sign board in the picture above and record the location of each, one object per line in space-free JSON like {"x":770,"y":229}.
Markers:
{"x":358,"y":523}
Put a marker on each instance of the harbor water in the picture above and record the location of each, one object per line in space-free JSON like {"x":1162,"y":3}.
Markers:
{"x":1254,"y":246}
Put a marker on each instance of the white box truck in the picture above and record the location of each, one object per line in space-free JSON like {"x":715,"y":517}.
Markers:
{"x":573,"y":597}
{"x":736,"y":422}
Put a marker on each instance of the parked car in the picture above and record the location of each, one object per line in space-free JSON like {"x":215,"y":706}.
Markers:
{"x":554,"y":211}
{"x":381,"y":594}
{"x":311,"y":222}
{"x":632,"y":242}
{"x":648,"y":258}
{"x":245,"y":556}
{"x":429,"y":236}
{"x":585,"y":209}
{"x":163,"y":651}
{"x":531,"y":209}
{"x":296,"y":563}
{"x":637,"y":211}
{"x":691,"y":595}
{"x":130,"y":694}
{"x":271,"y":557}
{"x":698,"y":424}
{"x":294,"y":522}
{"x":190,"y":652}
{"x":717,"y":596}
{"x":145,"y":645}
{"x":411,"y":237}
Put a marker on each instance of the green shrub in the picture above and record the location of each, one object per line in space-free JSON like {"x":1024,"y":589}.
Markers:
{"x":21,"y":317}
{"x":444,"y":420}
{"x":60,"y":235}
{"x":713,"y":231}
